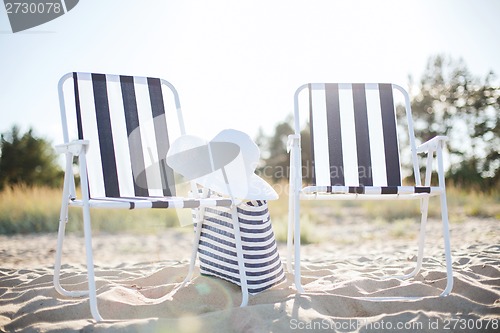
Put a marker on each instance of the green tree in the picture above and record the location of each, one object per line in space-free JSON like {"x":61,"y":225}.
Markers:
{"x":453,"y":102}
{"x":275,"y":156}
{"x":26,"y":159}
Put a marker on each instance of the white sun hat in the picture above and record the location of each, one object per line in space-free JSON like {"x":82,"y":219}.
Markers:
{"x":226,"y":164}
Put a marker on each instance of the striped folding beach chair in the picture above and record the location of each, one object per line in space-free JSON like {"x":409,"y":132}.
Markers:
{"x":122,"y":128}
{"x":355,"y":155}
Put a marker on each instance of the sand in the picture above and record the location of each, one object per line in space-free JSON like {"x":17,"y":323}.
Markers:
{"x":134,"y":272}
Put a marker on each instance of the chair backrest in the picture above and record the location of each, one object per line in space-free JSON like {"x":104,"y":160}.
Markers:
{"x":124,"y":118}
{"x":353,"y":130}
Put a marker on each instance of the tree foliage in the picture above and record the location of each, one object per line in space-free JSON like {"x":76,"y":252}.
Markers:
{"x":28,"y":160}
{"x":275,"y":155}
{"x":453,"y":102}
{"x":277,"y":160}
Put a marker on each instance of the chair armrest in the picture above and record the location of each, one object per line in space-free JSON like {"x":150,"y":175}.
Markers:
{"x":432,"y":144}
{"x":75,"y":147}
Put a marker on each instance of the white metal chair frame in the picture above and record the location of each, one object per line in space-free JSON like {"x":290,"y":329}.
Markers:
{"x":298,"y":192}
{"x":78,"y":148}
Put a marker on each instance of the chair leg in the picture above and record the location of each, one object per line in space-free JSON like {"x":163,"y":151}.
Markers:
{"x":445,"y":221}
{"x":291,"y":217}
{"x":196,"y":244}
{"x":87,"y":231}
{"x":63,"y":218}
{"x":90,"y":264}
{"x":447,"y":246}
{"x":290,"y":231}
{"x":57,"y":267}
{"x":424,"y":208}
{"x":293,"y":237}
{"x":239,"y":254}
{"x":296,"y":214}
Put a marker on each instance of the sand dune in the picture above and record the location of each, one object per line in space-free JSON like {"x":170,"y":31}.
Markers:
{"x":137,"y":278}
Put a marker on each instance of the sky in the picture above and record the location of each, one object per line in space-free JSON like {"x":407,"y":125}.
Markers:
{"x":235,"y":63}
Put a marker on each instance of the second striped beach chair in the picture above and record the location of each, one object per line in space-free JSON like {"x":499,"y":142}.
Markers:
{"x":355,"y":155}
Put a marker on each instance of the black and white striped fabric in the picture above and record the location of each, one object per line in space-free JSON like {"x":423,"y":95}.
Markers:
{"x":354,"y":140}
{"x":217,"y":249}
{"x":124,"y":118}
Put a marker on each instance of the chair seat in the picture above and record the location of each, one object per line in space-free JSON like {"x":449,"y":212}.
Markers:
{"x":152,"y":202}
{"x":372,"y":190}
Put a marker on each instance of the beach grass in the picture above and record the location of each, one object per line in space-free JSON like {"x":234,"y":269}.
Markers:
{"x":36,"y":209}
{"x":399,"y":215}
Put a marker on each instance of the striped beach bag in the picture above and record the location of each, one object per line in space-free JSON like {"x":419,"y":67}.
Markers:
{"x":217,"y":249}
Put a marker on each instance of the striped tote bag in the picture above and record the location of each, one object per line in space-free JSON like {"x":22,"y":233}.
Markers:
{"x":217,"y":249}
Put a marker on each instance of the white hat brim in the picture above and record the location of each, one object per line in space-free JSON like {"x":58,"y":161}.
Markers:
{"x":238,"y":170}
